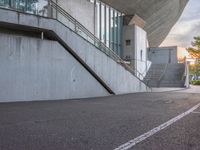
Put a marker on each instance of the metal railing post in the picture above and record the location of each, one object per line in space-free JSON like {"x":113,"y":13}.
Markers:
{"x":49,"y":9}
{"x":56,"y":9}
{"x":97,"y":42}
{"x":75,"y":27}
{"x":42,"y":35}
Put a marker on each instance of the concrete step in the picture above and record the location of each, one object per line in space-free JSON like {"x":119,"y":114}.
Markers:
{"x":171,"y":85}
{"x":172,"y":77}
{"x":172,"y":82}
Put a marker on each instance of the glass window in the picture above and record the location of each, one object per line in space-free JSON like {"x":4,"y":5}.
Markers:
{"x":98,"y":20}
{"x":41,"y":7}
{"x":102,"y":23}
{"x":111,"y":28}
{"x":115,"y":31}
{"x":92,"y":1}
{"x":38,"y":7}
{"x":107,"y":26}
{"x":120,"y":34}
{"x":128,"y":42}
{"x":4,"y":3}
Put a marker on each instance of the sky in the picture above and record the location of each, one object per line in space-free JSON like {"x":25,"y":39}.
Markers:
{"x":187,"y":26}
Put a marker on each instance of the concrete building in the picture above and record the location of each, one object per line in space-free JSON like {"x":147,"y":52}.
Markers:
{"x":163,"y":55}
{"x":159,"y":15}
{"x":62,"y":49}
{"x":166,"y":71}
{"x":135,"y":49}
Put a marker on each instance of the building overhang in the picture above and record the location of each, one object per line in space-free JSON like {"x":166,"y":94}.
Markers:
{"x":159,"y":15}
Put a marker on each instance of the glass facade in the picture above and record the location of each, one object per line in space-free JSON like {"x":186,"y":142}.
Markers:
{"x":108,"y":25}
{"x":107,"y":21}
{"x":38,"y":7}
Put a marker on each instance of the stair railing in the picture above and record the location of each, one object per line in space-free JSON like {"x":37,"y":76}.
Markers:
{"x":65,"y":18}
{"x":56,"y":12}
{"x":162,"y":75}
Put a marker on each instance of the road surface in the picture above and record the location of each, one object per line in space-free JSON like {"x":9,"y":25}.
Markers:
{"x":106,"y":123}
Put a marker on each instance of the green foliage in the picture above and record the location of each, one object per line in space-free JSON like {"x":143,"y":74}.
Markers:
{"x":195,"y":69}
{"x":196,"y":42}
{"x":195,"y":82}
{"x":194,"y":51}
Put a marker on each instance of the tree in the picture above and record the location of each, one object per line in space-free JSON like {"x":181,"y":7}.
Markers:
{"x":195,"y":68}
{"x":194,"y":52}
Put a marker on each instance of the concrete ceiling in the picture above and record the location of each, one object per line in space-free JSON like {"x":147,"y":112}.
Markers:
{"x":160,"y":15}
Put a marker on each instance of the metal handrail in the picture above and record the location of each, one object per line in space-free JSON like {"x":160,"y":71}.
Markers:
{"x":79,"y":27}
{"x":83,"y":29}
{"x":142,"y":74}
{"x":101,"y":46}
{"x":162,"y":75}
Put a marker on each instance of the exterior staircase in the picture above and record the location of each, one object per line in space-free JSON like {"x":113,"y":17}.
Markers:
{"x":154,"y":74}
{"x":174,"y":76}
{"x":165,"y":75}
{"x":100,"y":62}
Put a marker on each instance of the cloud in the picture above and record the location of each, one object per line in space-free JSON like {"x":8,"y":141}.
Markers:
{"x":186,"y":28}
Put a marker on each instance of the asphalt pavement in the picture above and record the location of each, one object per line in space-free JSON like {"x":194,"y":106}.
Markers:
{"x":102,"y":123}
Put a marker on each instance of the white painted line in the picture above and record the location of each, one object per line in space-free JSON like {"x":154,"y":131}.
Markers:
{"x":148,"y":134}
{"x":196,"y":112}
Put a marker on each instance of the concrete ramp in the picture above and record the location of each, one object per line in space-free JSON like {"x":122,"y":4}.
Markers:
{"x":35,"y":69}
{"x":110,"y":73}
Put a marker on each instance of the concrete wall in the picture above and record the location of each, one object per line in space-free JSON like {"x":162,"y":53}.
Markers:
{"x":81,"y":10}
{"x":128,"y":49}
{"x":141,"y":51}
{"x":112,"y":73}
{"x":116,"y":77}
{"x":34,"y":69}
{"x":163,"y":55}
{"x":136,"y":52}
